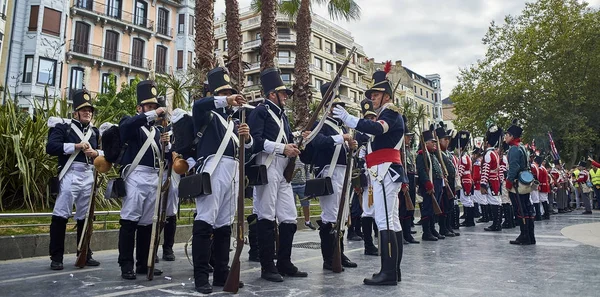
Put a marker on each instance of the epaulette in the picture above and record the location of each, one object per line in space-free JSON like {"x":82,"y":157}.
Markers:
{"x":394,"y":108}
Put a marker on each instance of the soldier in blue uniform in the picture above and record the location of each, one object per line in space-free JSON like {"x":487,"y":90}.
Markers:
{"x":76,"y":145}
{"x":430,"y":184}
{"x":216,"y":154}
{"x":273,"y":143}
{"x":446,"y":202}
{"x":386,"y":172}
{"x":140,"y":171}
{"x":406,"y":216}
{"x":332,"y":143}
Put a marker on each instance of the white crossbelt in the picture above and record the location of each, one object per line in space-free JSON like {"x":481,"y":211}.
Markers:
{"x":223,"y":146}
{"x":280,"y":136}
{"x":84,"y":138}
{"x":149,"y":142}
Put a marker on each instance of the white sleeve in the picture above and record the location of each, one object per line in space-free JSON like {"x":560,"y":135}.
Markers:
{"x":220,"y":101}
{"x":488,"y":157}
{"x":249,"y":144}
{"x":68,"y":148}
{"x":100,"y":152}
{"x":151,"y":115}
{"x":338,"y":139}
{"x":271,"y":146}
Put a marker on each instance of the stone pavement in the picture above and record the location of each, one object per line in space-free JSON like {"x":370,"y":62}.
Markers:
{"x":565,"y":262}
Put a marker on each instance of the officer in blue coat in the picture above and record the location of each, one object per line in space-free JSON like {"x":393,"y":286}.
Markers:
{"x":332,"y":143}
{"x":387,"y":174}
{"x":273,"y":144}
{"x":75,"y":143}
{"x":215,"y":212}
{"x":140,"y":172}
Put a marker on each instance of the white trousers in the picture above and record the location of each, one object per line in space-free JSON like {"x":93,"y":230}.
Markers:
{"x":391,"y":199}
{"x":75,"y":188}
{"x":141,"y":187}
{"x":504,"y":196}
{"x":331,"y":204}
{"x":479,"y":198}
{"x":543,"y":197}
{"x":535,"y":197}
{"x":275,"y":199}
{"x":493,"y":200}
{"x":368,"y":211}
{"x":467,"y":201}
{"x":173,"y":203}
{"x":218,"y":208}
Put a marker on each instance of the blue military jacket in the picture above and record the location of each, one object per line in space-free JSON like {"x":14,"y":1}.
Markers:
{"x":130,"y":129}
{"x":214,"y":131}
{"x":63,"y":133}
{"x":263,"y":126}
{"x":324,"y":146}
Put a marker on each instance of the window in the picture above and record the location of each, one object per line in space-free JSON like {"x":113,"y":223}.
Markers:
{"x":28,"y":69}
{"x":82,"y":36}
{"x":33,"y":18}
{"x":46,"y":70}
{"x":257,"y":36}
{"x":141,"y":9}
{"x":179,"y":59}
{"x":191,"y":25}
{"x":318,"y":63}
{"x":161,"y":59}
{"x":181,"y":26}
{"x":137,"y":53}
{"x":317,"y":42}
{"x":163,"y":22}
{"x":225,"y":44}
{"x":427,"y":94}
{"x":328,"y":67}
{"x":76,"y":82}
{"x":105,"y":83}
{"x":328,"y":47}
{"x":51,"y":22}
{"x":353,"y":76}
{"x":318,"y":84}
{"x":421,"y":91}
{"x":111,"y":45}
{"x":190,"y":60}
{"x":284,"y":56}
{"x":113,"y":8}
{"x":286,"y":78}
{"x":87,"y":4}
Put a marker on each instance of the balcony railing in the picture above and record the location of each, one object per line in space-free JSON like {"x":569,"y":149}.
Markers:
{"x":108,"y":55}
{"x":361,"y":85}
{"x":346,"y":79}
{"x":165,"y":31}
{"x":116,"y":13}
{"x":286,"y":38}
{"x":286,"y":61}
{"x":251,"y":44}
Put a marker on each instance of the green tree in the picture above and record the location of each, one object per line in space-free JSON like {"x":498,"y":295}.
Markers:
{"x":540,"y":67}
{"x":111,"y":106}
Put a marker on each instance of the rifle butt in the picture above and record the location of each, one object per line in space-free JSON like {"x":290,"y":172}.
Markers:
{"x":82,"y":257}
{"x":336,"y":263}
{"x":288,"y":172}
{"x":436,"y":206}
{"x":409,"y":205}
{"x":232,"y":284}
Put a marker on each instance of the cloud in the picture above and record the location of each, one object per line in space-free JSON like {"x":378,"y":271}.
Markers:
{"x":435,"y":36}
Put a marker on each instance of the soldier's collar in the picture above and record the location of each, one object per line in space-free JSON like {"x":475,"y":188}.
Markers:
{"x":270,"y":104}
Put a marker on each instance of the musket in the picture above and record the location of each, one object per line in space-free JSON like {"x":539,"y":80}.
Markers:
{"x":88,"y":226}
{"x":232,"y":284}
{"x":336,"y":263}
{"x":426,"y":159}
{"x":160,"y":208}
{"x":407,"y":201}
{"x":449,"y":191}
{"x":288,"y":172}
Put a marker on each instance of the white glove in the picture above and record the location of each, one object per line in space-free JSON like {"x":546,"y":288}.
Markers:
{"x":348,"y":119}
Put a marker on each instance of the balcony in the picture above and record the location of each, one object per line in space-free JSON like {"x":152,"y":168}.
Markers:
{"x":101,"y":55}
{"x":286,"y":39}
{"x":345,"y":79}
{"x":361,"y":85}
{"x":249,"y":45}
{"x":100,"y":12}
{"x":339,"y":56}
{"x":164,"y":32}
{"x":286,"y":62}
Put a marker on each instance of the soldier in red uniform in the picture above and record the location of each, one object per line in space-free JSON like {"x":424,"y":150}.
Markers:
{"x":544,"y":188}
{"x":535,"y":194}
{"x":465,"y":167}
{"x":478,"y":199}
{"x":490,"y":177}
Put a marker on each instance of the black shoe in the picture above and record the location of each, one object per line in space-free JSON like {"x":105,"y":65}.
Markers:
{"x":354,"y":237}
{"x":129,"y":274}
{"x":371,"y":251}
{"x":157,"y":272}
{"x":91,"y":262}
{"x":221,"y":283}
{"x":55,"y":265}
{"x":427,"y":236}
{"x":411,"y":240}
{"x":205,"y":289}
{"x":328,"y":266}
{"x":389,"y":262}
{"x":586,"y":212}
{"x":168,"y":257}
{"x":272,"y":276}
{"x":310,"y":225}
{"x":347,"y":263}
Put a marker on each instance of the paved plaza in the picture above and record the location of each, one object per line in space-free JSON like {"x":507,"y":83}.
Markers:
{"x":565,"y":262}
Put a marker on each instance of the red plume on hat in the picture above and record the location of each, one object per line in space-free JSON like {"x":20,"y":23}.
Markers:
{"x":388,"y":66}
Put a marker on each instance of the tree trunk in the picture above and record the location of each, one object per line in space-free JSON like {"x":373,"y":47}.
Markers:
{"x":268,"y":33}
{"x":204,"y":35}
{"x":234,"y":43}
{"x":302,"y":91}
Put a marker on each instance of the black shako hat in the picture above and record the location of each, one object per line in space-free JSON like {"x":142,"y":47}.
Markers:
{"x":493,"y":135}
{"x":380,"y":84}
{"x":336,"y":99}
{"x":515,"y":129}
{"x":441,"y":132}
{"x":146,"y":92}
{"x":81,"y":98}
{"x":218,"y":80}
{"x":463,"y":138}
{"x":428,"y":134}
{"x":271,"y":81}
{"x":366,"y":107}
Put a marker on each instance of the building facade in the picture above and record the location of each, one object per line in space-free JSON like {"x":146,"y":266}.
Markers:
{"x":330,"y":44}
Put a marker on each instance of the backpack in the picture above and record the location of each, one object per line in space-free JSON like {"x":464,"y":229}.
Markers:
{"x":111,"y":143}
{"x":185,"y":140}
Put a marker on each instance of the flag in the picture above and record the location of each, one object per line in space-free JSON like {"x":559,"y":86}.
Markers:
{"x":553,"y":148}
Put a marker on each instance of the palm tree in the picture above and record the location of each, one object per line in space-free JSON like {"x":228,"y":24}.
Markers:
{"x":301,"y":11}
{"x":268,"y":32}
{"x":204,"y":35}
{"x":176,"y":88}
{"x":234,"y":42}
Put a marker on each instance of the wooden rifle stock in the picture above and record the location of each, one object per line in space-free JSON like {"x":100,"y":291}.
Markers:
{"x":336,"y":263}
{"x":232,"y":284}
{"x":288,"y":172}
{"x":409,"y":205}
{"x":88,"y":227}
{"x":447,"y":188}
{"x":426,"y":157}
{"x":160,"y":210}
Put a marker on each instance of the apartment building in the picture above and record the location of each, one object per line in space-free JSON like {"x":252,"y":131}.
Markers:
{"x":330,"y":44}
{"x":60,"y":46}
{"x":3,"y":18}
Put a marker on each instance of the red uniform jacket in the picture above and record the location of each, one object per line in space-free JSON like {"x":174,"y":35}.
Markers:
{"x":544,"y":180}
{"x":464,"y":172}
{"x":490,"y":172}
{"x":477,"y":174}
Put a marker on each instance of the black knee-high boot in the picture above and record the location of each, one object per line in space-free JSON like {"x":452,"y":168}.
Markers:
{"x":538,"y":215}
{"x":126,"y":247}
{"x":546,"y":215}
{"x":389,"y":261}
{"x":405,"y":223}
{"x":400,"y":252}
{"x":201,"y":250}
{"x":284,"y":254}
{"x":266,"y":249}
{"x":367,"y":230}
{"x":253,"y":254}
{"x":169,"y":234}
{"x":326,"y":244}
{"x":58,"y":229}
{"x":142,"y":250}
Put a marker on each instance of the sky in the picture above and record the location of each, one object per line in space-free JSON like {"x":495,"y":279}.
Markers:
{"x":433,"y":36}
